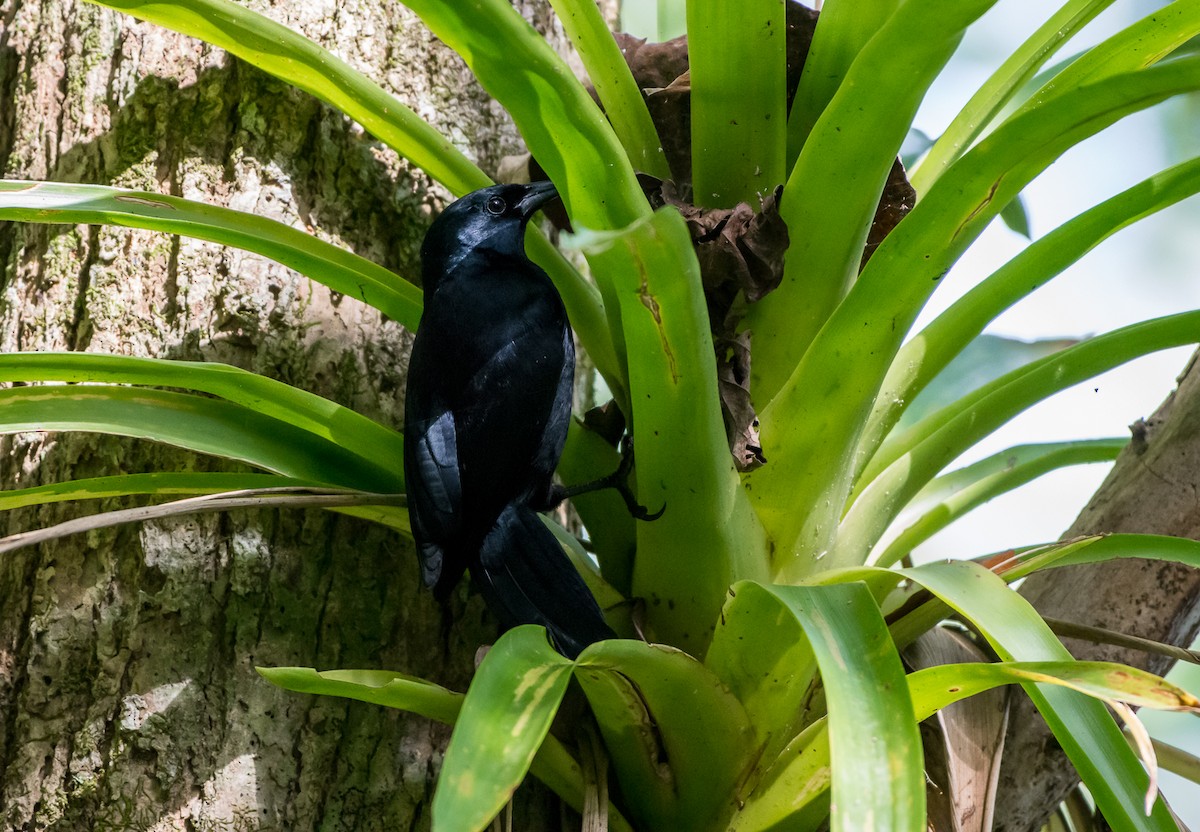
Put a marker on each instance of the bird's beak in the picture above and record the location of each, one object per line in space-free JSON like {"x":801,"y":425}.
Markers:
{"x":536,"y":195}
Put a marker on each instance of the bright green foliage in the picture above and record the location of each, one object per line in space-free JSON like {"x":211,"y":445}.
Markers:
{"x":800,"y":715}
{"x":738,"y":118}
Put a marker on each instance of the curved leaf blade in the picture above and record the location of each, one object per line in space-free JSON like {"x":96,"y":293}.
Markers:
{"x":312,"y":413}
{"x":923,"y":358}
{"x":678,"y":738}
{"x":208,"y":426}
{"x":911,"y":460}
{"x":614,"y":84}
{"x":811,"y":429}
{"x":987,"y":102}
{"x":833,"y":189}
{"x":708,"y":537}
{"x":560,"y":123}
{"x":504,"y":719}
{"x":340,"y":270}
{"x":875,"y":748}
{"x":277,"y":50}
{"x":738,"y":120}
{"x":379,"y":687}
{"x":1082,"y":725}
{"x":947,"y":498}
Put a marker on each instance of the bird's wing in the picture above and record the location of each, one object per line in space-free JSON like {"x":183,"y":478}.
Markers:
{"x":527,"y":579}
{"x":434,"y":490}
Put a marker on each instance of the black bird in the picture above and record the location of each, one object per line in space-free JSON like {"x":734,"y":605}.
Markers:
{"x":486,"y":415}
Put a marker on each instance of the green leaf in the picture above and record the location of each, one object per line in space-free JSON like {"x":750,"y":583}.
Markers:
{"x":1098,"y":549}
{"x":983,"y":360}
{"x":949,"y":497}
{"x":793,"y":789}
{"x":563,"y":128}
{"x":506,"y":715}
{"x":1140,"y":45}
{"x":279,"y":51}
{"x":1016,"y":71}
{"x":124,"y":485}
{"x":380,"y":687}
{"x":1082,"y":725}
{"x":904,"y":465}
{"x":1016,"y":216}
{"x":923,"y":358}
{"x":936,"y":687}
{"x":833,"y":189}
{"x":314,"y":414}
{"x":208,"y":426}
{"x":842,"y":31}
{"x":708,"y":536}
{"x":877,"y":767}
{"x":677,"y":737}
{"x":764,"y":657}
{"x":614,"y":84}
{"x":553,"y":764}
{"x":737,"y":61}
{"x":340,"y":270}
{"x":811,"y":429}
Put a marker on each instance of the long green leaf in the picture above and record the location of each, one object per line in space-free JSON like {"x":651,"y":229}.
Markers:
{"x":125,"y":485}
{"x":314,"y":414}
{"x":340,"y":270}
{"x":811,"y":429}
{"x":677,"y":737}
{"x":737,"y":60}
{"x":560,"y":123}
{"x":765,"y":659}
{"x":208,"y":426}
{"x":1082,"y":725}
{"x":1140,"y":45}
{"x":1004,"y":83}
{"x":833,"y":190}
{"x":875,"y":747}
{"x":795,"y":784}
{"x":1099,"y":549}
{"x":379,"y":687}
{"x":936,"y":687}
{"x":506,"y":715}
{"x":553,"y":764}
{"x":905,"y":465}
{"x":927,"y":353}
{"x":614,"y":84}
{"x":949,"y":497}
{"x":708,"y":536}
{"x":843,"y":30}
{"x":275,"y":49}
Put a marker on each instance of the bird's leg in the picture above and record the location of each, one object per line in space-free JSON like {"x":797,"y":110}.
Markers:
{"x":618,"y":480}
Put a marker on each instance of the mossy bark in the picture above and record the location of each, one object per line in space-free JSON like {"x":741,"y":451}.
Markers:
{"x":128,"y":696}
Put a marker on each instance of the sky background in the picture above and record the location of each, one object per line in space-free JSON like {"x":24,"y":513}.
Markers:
{"x":1145,"y":271}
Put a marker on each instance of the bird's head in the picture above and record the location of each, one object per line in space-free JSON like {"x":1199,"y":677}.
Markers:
{"x":491,"y":219}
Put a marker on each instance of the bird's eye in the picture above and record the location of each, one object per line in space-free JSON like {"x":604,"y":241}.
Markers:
{"x":496,"y":205}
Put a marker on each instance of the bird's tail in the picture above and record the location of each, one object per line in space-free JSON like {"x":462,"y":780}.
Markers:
{"x":526,"y":578}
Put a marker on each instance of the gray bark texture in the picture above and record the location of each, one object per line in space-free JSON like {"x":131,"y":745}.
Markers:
{"x":128,"y":695}
{"x":1152,"y":489}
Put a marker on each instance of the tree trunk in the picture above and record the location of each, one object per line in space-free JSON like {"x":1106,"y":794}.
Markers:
{"x":128,"y":696}
{"x":1152,"y":489}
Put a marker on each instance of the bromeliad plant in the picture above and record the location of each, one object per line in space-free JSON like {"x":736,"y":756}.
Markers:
{"x":772,"y":693}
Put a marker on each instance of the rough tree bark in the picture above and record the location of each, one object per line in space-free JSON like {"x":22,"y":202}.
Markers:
{"x":128,"y":697}
{"x":1152,"y":489}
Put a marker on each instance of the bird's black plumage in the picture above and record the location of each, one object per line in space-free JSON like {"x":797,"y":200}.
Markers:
{"x":486,"y":414}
